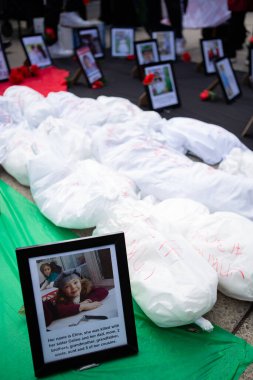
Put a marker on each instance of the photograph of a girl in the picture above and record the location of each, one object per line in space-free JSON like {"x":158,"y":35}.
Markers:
{"x":76,"y":294}
{"x":72,"y":286}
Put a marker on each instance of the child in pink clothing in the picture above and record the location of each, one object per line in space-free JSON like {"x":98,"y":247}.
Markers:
{"x":76,"y":294}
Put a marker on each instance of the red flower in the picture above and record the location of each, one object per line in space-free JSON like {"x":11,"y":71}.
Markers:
{"x":97,"y":84}
{"x":34,"y":70}
{"x":186,"y":56}
{"x":130,"y":57}
{"x":24,"y":70}
{"x":148,"y":79}
{"x":50,"y":34}
{"x":16,"y":76}
{"x":204,"y":95}
{"x":251,"y":40}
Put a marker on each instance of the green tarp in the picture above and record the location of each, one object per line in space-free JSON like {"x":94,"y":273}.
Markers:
{"x":174,"y":353}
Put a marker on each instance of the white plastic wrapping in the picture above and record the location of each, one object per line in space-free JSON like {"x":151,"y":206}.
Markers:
{"x":75,"y":194}
{"x":238,"y":162}
{"x":170,"y":282}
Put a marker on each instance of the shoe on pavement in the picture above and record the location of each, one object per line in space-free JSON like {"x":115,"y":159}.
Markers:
{"x":72,"y":20}
{"x":180,"y":44}
{"x":57,"y":51}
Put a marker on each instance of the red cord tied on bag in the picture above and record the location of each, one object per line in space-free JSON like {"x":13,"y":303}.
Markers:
{"x":208,"y":95}
{"x":97,"y":84}
{"x":149,"y":78}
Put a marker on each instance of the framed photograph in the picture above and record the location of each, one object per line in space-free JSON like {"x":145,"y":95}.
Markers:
{"x":211,"y":50}
{"x":251,"y":63}
{"x":36,"y":50}
{"x":90,"y":37}
{"x":122,"y":42}
{"x":147,"y":52}
{"x":89,"y":65}
{"x":162,"y":92}
{"x":166,"y":44}
{"x":228,"y":80}
{"x":78,"y":302}
{"x":4,"y":65}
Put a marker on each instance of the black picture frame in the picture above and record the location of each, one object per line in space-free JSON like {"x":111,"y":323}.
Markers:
{"x":4,"y":64}
{"x":166,"y":44}
{"x":211,"y":49}
{"x":59,"y":345}
{"x":162,"y":92}
{"x":251,"y":63}
{"x":147,"y":52}
{"x":36,"y":50}
{"x":122,"y":41}
{"x":91,"y":37}
{"x":89,"y":65}
{"x":227,"y":78}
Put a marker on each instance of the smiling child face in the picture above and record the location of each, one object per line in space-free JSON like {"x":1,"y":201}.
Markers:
{"x":72,"y":288}
{"x":47,"y":270}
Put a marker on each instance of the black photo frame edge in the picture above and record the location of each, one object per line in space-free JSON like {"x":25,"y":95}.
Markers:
{"x":139,"y":66}
{"x":83,"y":70}
{"x":170,"y":30}
{"x":161,"y":63}
{"x":228,"y":101}
{"x":25,"y":50}
{"x":78,"y":30}
{"x":202,"y":41}
{"x":120,"y":27}
{"x":6,"y":61}
{"x":250,"y":62}
{"x":23,"y":254}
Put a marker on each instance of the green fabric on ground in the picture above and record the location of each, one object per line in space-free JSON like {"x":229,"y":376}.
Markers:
{"x":174,"y":353}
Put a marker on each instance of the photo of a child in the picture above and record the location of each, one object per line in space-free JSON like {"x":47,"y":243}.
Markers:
{"x":36,"y":50}
{"x":147,"y":52}
{"x":4,"y":69}
{"x":91,"y":39}
{"x":50,"y":271}
{"x":76,"y":294}
{"x":122,"y":42}
{"x":166,"y":44}
{"x":211,"y":51}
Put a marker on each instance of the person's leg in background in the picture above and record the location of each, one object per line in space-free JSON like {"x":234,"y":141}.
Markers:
{"x":175,"y":12}
{"x":53,"y":9}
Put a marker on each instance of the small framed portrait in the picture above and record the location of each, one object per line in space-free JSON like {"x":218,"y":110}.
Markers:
{"x":4,"y":65}
{"x":90,"y":37}
{"x":78,"y":302}
{"x":166,"y":44}
{"x":162,"y":91}
{"x":147,"y":52}
{"x":228,"y":80}
{"x":211,"y":49}
{"x":251,"y":63}
{"x":122,"y":42}
{"x":89,"y":65}
{"x":36,"y":50}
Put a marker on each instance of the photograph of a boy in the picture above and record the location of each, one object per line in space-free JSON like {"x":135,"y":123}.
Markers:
{"x":162,"y":83}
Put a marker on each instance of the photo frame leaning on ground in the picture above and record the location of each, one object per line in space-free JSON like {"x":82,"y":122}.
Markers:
{"x":251,"y":63}
{"x":162,"y":92}
{"x":147,"y":52}
{"x":211,"y":50}
{"x":166,"y":44}
{"x":96,"y":335}
{"x":122,"y":42}
{"x":90,"y":37}
{"x":36,"y":50}
{"x":4,"y":64}
{"x":89,"y":65}
{"x":227,"y":78}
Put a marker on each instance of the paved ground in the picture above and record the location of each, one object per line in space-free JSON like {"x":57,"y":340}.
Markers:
{"x":227,"y":313}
